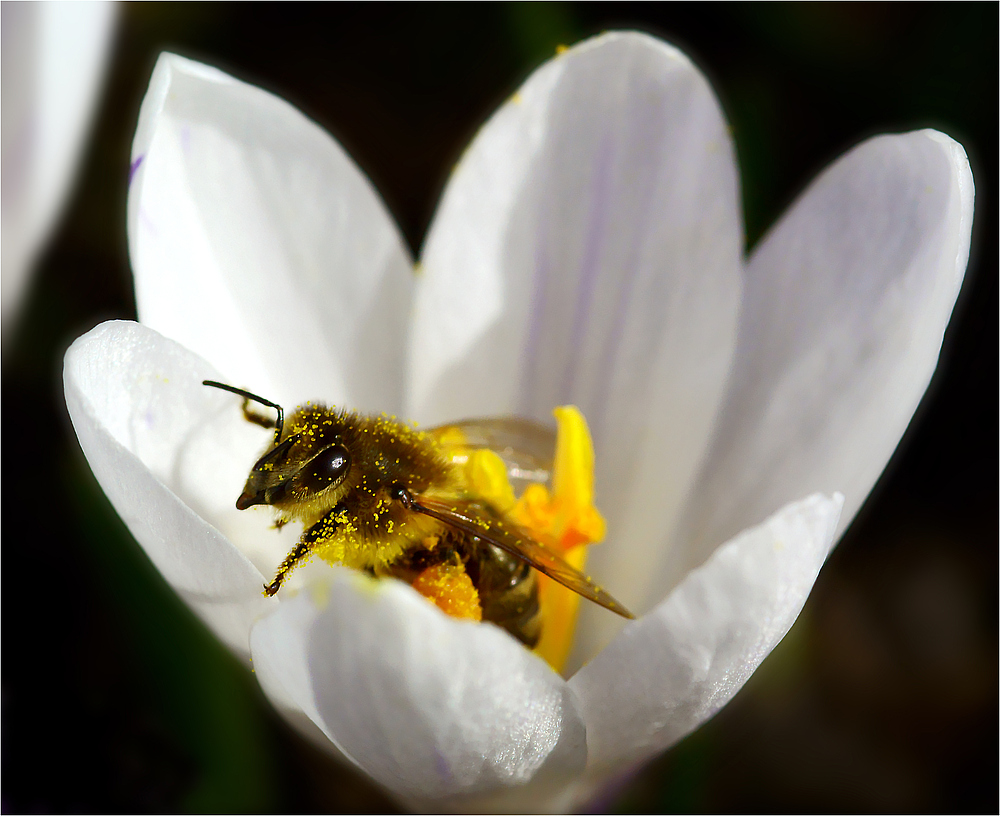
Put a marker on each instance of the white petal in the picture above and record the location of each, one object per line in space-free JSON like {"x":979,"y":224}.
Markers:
{"x":54,"y":55}
{"x":845,"y":307}
{"x":281,"y":666}
{"x":587,"y":251}
{"x":162,"y":447}
{"x":674,"y":668}
{"x":431,"y":707}
{"x":257,"y":243}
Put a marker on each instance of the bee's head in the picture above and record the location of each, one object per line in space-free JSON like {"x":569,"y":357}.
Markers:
{"x":311,"y":462}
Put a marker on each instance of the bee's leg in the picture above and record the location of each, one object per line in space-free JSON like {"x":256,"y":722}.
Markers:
{"x":255,"y":418}
{"x":322,"y":530}
{"x":279,"y":522}
{"x":299,"y":552}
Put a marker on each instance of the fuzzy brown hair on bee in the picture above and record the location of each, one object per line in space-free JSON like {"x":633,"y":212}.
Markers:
{"x":381,"y":496}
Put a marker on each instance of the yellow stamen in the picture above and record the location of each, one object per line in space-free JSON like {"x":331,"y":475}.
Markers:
{"x":486,"y":475}
{"x":567,"y":516}
{"x":450,"y":438}
{"x":564,"y":519}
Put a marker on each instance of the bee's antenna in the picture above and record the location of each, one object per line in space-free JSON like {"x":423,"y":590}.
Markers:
{"x":279,"y":425}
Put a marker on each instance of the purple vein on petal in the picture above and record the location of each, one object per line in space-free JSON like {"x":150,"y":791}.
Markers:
{"x":538,"y":301}
{"x":134,"y":166}
{"x":146,"y":221}
{"x":597,"y":223}
{"x":647,"y":133}
{"x":441,"y":766}
{"x":630,"y":275}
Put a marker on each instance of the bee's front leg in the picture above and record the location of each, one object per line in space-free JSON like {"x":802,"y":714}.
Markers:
{"x":322,"y":530}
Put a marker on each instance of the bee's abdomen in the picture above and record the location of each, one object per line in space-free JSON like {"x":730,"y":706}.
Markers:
{"x":507,"y":586}
{"x":508,"y":591}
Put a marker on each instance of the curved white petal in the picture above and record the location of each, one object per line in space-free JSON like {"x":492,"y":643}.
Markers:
{"x":431,"y":707}
{"x":668,"y":672}
{"x":845,"y":307}
{"x":258,"y":244}
{"x":54,"y":55}
{"x":587,"y":251}
{"x":162,"y":447}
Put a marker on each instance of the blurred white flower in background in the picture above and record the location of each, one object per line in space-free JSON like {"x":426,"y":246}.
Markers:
{"x":588,"y":249}
{"x":53,"y":60}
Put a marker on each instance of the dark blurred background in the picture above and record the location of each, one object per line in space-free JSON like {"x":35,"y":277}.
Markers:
{"x":882,"y":698}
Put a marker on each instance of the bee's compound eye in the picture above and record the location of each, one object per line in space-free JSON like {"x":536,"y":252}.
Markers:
{"x":328,"y":467}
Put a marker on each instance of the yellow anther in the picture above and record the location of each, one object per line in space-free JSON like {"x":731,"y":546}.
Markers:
{"x":566,"y":516}
{"x":486,"y":475}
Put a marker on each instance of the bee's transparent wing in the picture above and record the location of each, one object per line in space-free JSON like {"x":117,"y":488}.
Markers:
{"x":526,"y":447}
{"x":474,"y":520}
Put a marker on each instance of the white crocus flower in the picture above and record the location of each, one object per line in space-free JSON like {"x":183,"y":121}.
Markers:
{"x":587,"y":250}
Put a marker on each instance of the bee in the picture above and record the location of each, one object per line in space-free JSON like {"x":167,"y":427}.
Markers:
{"x":380,"y":496}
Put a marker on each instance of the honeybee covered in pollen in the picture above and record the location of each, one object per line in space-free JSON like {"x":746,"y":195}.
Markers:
{"x":381,"y":496}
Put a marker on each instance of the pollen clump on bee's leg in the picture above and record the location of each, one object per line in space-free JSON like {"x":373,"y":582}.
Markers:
{"x":449,"y":587}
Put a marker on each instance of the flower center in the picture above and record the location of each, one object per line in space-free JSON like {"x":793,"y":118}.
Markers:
{"x":563,"y":519}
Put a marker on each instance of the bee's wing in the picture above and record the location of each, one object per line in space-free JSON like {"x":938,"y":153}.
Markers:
{"x":526,"y":447}
{"x":470,"y":518}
